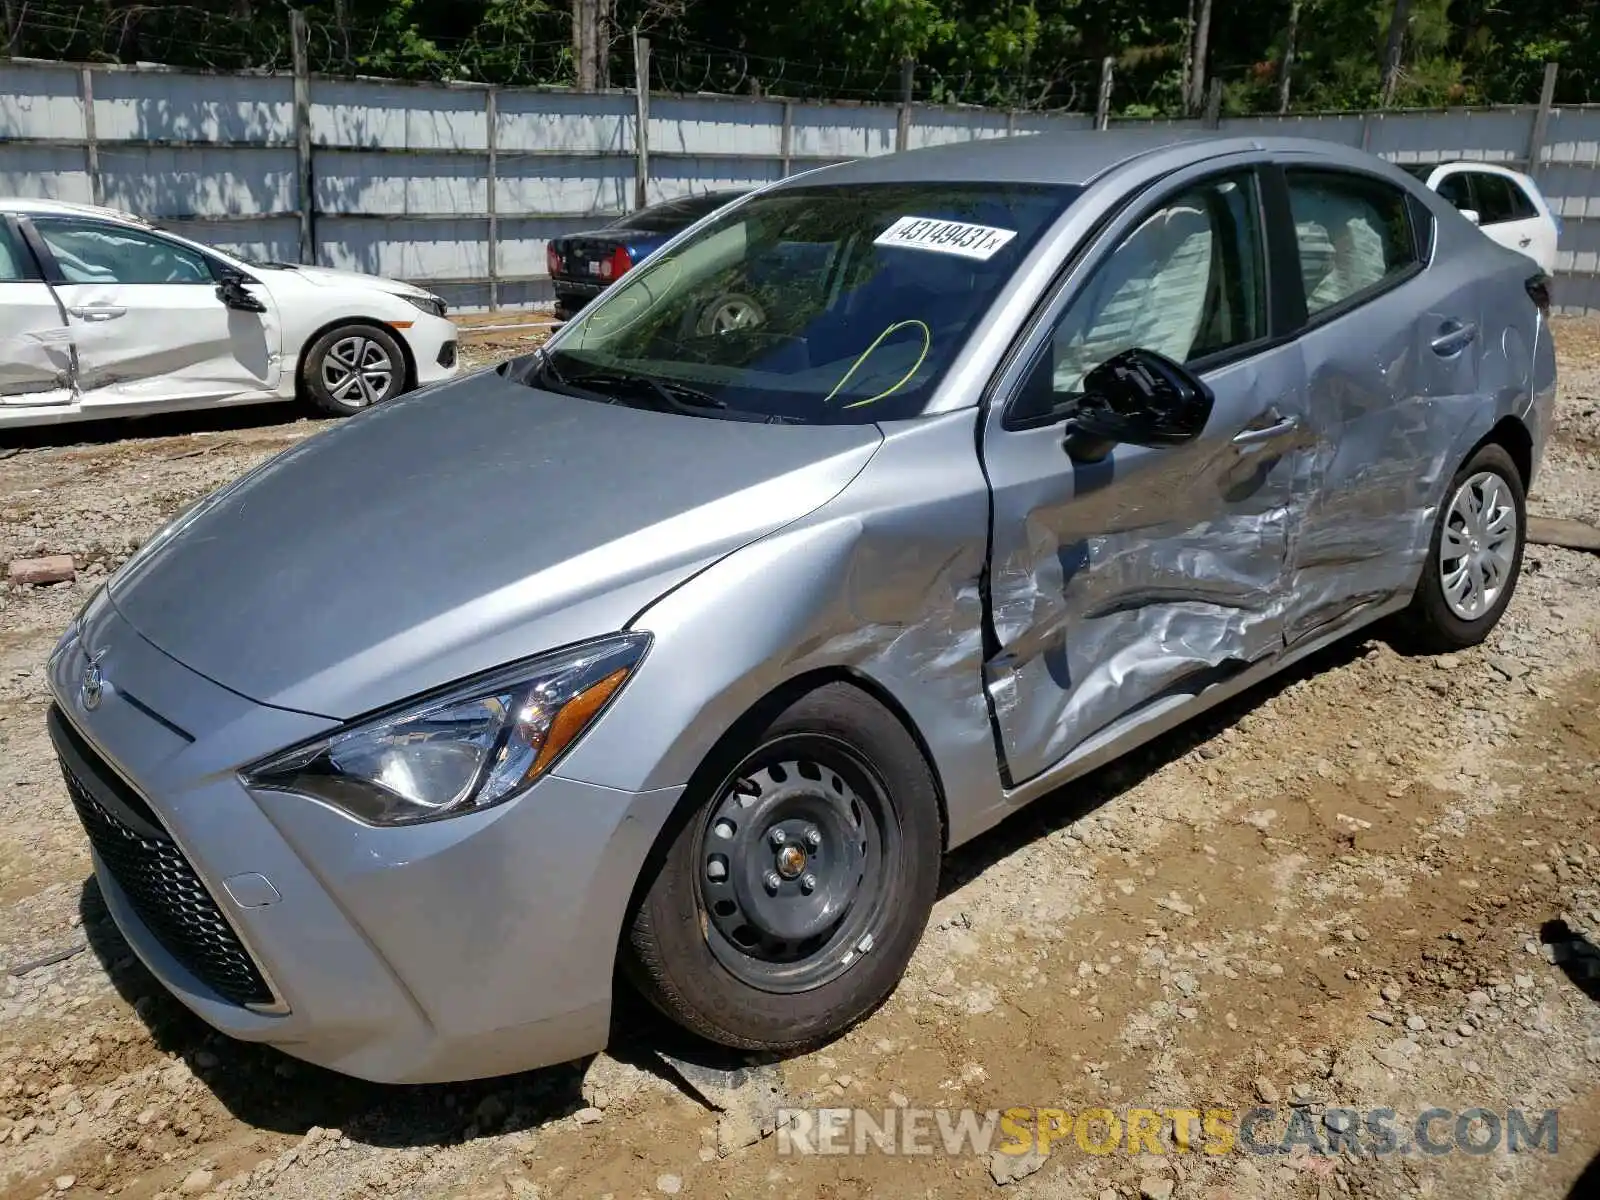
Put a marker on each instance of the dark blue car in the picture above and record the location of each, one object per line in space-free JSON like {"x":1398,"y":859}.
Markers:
{"x":582,"y":265}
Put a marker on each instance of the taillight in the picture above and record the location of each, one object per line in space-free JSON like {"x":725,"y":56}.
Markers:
{"x":1539,"y":291}
{"x":552,"y":260}
{"x":617,"y":265}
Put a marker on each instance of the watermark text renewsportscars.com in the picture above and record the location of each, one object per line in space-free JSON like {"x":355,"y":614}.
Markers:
{"x":1211,"y":1131}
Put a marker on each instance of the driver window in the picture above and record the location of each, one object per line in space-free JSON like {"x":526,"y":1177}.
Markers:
{"x":1187,"y":282}
{"x":89,"y":252}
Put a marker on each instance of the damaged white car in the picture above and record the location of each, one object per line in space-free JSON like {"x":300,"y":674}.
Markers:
{"x":104,"y":315}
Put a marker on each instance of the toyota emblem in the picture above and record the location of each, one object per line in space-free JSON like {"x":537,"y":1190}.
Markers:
{"x":93,"y":685}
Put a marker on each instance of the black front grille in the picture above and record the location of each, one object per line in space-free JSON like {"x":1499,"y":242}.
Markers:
{"x":157,"y":879}
{"x":447,"y":355}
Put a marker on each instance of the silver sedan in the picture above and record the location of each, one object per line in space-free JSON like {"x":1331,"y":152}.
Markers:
{"x":680,"y":651}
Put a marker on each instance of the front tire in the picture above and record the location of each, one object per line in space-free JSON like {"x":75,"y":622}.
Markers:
{"x":786,"y":903}
{"x":353,"y":367}
{"x":1474,"y":558}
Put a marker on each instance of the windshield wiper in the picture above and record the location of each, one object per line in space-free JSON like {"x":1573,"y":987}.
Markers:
{"x":547,"y":364}
{"x":669,"y":396}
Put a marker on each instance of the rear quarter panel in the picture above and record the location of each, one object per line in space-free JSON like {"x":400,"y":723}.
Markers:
{"x":1515,"y":357}
{"x":1517,"y":366}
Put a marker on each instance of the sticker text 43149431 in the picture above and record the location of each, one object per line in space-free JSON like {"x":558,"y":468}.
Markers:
{"x":945,"y":237}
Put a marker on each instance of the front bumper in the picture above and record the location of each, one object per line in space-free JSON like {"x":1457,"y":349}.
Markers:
{"x":428,"y":338}
{"x":463,"y":948}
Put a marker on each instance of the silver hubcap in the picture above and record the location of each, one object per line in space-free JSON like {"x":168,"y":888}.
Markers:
{"x":357,"y":371}
{"x":1478,"y":546}
{"x":731,"y":314}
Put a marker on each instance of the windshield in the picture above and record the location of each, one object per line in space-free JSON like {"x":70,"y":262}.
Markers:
{"x":825,"y":305}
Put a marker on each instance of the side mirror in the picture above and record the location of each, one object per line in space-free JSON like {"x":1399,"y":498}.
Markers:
{"x":1470,"y":214}
{"x":231,"y":291}
{"x":1137,"y":398}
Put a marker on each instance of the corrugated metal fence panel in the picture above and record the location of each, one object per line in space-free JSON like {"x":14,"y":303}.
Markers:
{"x":836,"y":132}
{"x":39,"y":102}
{"x":557,"y":123}
{"x":940,"y":126}
{"x":671,"y":178}
{"x":694,"y":125}
{"x":167,"y":106}
{"x":398,"y":116}
{"x":204,"y":181}
{"x":406,"y":248}
{"x":44,"y":173}
{"x":378,"y":184}
{"x":564,"y":185}
{"x":275,"y":240}
{"x":402,"y":180}
{"x":1499,"y":136}
{"x":1052,"y":122}
{"x":1332,"y":127}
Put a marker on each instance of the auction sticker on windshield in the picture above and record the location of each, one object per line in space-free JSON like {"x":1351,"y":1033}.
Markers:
{"x":946,"y":237}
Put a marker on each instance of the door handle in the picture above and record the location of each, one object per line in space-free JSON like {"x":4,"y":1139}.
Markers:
{"x":1454,"y":337}
{"x":1527,"y":241}
{"x":1267,"y":433}
{"x":97,"y":312}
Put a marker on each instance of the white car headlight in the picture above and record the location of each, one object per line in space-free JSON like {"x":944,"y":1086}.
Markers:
{"x":428,"y":304}
{"x":478,"y":744}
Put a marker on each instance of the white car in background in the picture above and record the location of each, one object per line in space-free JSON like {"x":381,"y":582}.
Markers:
{"x":104,"y":315}
{"x":1507,"y":205}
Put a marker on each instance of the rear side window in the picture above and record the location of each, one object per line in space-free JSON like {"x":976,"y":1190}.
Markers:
{"x":1522,"y":205}
{"x":90,"y":252}
{"x":1354,"y":235}
{"x":1496,"y":197}
{"x":14,"y":266}
{"x":1457,"y":190}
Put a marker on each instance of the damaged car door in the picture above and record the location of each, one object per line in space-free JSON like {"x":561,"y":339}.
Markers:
{"x":1126,"y":578}
{"x":35,"y":347}
{"x":1391,"y":353}
{"x":147,"y":320}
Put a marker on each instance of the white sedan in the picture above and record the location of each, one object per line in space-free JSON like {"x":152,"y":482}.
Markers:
{"x":1507,"y":205}
{"x":104,"y":315}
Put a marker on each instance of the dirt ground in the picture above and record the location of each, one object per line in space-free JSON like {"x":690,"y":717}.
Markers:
{"x":1372,"y":883}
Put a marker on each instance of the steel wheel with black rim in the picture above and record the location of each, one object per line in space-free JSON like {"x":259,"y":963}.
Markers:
{"x":352,"y":368}
{"x":1475,"y":556}
{"x":784,"y":905}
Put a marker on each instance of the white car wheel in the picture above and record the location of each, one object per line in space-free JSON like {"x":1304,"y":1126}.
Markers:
{"x":354,"y":367}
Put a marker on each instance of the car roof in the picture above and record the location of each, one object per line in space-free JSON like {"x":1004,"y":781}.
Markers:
{"x":64,"y":208}
{"x":1483,"y":167}
{"x":1073,"y":158}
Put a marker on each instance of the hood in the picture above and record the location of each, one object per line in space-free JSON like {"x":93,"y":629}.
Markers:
{"x":460,"y":528}
{"x":333,"y":277}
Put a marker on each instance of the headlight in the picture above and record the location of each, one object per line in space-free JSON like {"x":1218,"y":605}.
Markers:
{"x":428,"y":304}
{"x":477,"y":745}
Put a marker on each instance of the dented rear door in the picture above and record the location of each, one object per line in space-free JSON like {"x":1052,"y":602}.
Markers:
{"x":35,"y":347}
{"x":146,"y":322}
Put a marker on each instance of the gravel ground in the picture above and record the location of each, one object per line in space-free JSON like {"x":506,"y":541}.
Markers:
{"x":1372,"y":883}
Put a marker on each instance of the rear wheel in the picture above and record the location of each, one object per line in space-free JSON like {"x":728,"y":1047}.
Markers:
{"x":1475,"y":556}
{"x":785,"y":906}
{"x":353,"y":367}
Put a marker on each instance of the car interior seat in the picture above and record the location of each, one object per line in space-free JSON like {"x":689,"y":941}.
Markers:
{"x":1151,"y":293}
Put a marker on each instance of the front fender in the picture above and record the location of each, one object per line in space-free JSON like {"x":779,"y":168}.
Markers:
{"x":882,"y":583}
